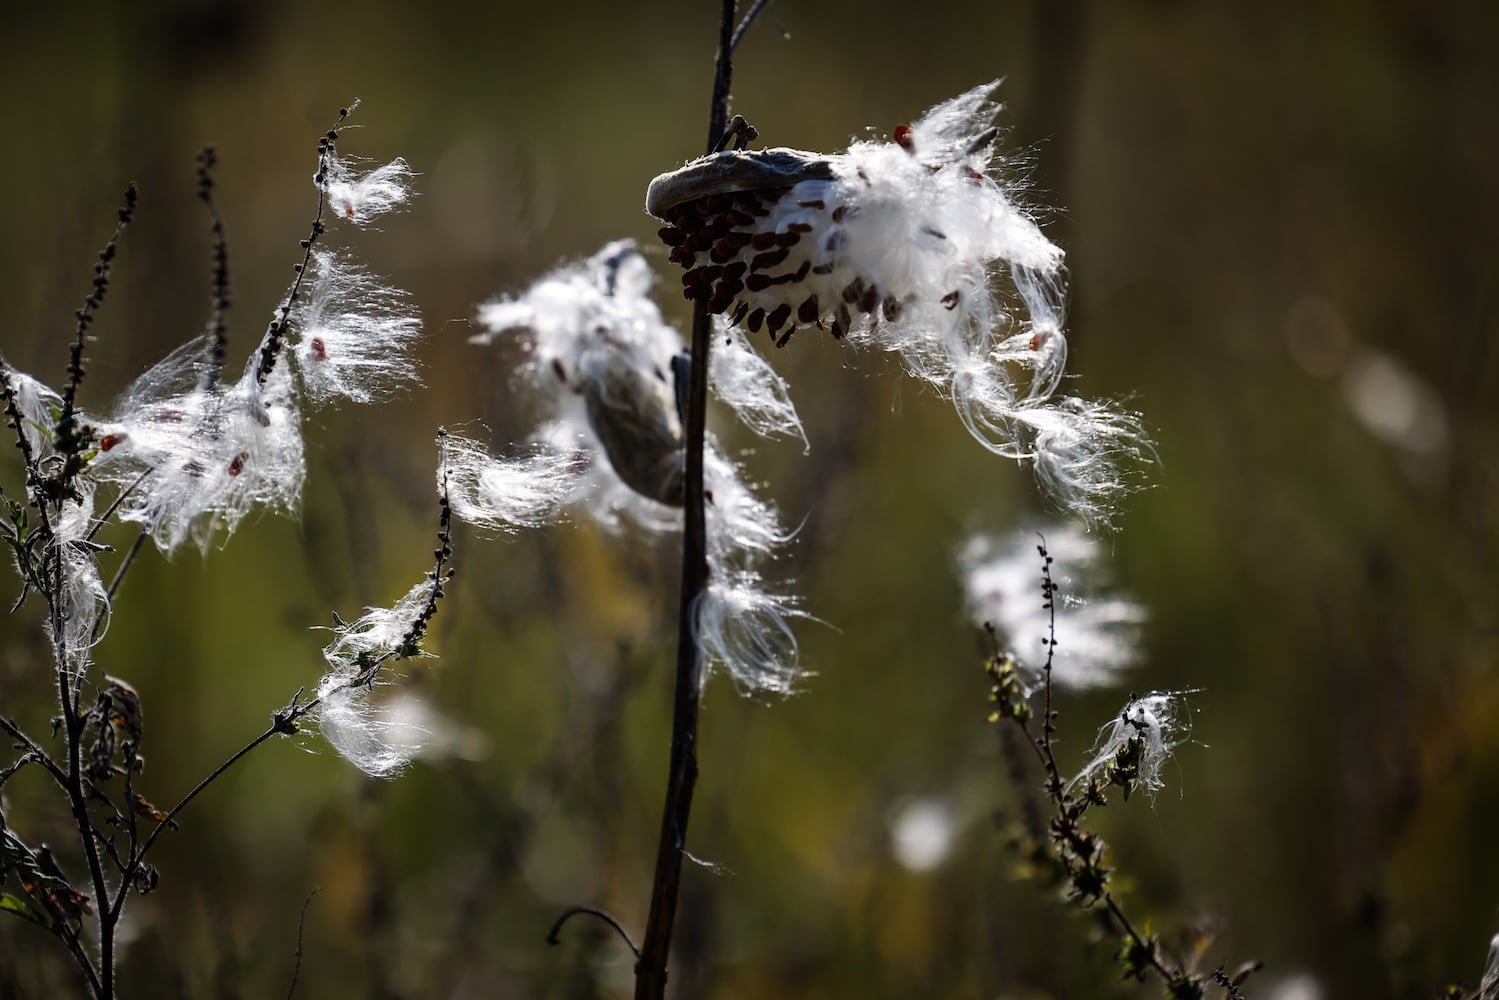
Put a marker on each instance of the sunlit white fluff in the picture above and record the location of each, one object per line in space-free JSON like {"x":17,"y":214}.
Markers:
{"x":1488,"y":989}
{"x":598,"y":352}
{"x":84,"y":602}
{"x":507,"y":494}
{"x":743,"y":623}
{"x":349,"y":714}
{"x":362,"y":196}
{"x":742,"y":379}
{"x":351,"y":333}
{"x":38,"y":405}
{"x":919,"y":247}
{"x":1096,"y":630}
{"x":212,"y":452}
{"x":1156,"y":721}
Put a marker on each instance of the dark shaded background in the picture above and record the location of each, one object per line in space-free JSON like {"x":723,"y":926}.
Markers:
{"x":1268,"y":209}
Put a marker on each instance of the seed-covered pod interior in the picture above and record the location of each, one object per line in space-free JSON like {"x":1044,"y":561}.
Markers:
{"x":780,"y":239}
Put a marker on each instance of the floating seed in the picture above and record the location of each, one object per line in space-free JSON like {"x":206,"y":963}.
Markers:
{"x":768,"y":259}
{"x":807,"y":311}
{"x":671,"y":236}
{"x":870,"y":299}
{"x":756,"y":320}
{"x":853,"y":290}
{"x":732,"y":243}
{"x":950,"y":300}
{"x":892,"y":308}
{"x":778,"y":317}
{"x":763,"y":240}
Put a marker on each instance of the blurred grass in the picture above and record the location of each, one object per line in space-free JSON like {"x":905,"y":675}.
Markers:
{"x":1221,"y":166}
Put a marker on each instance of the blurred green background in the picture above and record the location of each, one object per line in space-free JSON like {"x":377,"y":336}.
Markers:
{"x":1280,"y":222}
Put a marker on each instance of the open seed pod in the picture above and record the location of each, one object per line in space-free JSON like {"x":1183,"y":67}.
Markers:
{"x":757,"y":234}
{"x":781,"y":238}
{"x":631,"y":412}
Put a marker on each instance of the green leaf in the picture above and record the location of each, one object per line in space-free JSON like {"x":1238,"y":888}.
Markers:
{"x":18,"y":906}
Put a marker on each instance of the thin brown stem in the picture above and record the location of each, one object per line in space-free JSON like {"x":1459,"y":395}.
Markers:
{"x":118,"y":903}
{"x":119,"y":577}
{"x":744,"y":25}
{"x":651,"y":969}
{"x":81,"y":959}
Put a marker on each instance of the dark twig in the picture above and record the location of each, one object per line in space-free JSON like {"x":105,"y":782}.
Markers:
{"x":68,"y":436}
{"x":568,"y":914}
{"x":35,"y":752}
{"x":217,"y":326}
{"x":296,"y":971}
{"x":119,"y":577}
{"x":651,"y":969}
{"x":284,"y":723}
{"x":744,"y":25}
{"x":275,"y":334}
{"x":114,"y":505}
{"x":1078,"y":852}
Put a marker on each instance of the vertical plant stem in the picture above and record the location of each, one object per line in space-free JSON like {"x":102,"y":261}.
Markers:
{"x":651,"y":969}
{"x":69,"y":694}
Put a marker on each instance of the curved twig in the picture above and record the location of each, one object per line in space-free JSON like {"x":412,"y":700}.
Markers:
{"x":573,"y":911}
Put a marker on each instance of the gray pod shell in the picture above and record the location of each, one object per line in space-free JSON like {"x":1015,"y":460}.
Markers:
{"x":733,"y":170}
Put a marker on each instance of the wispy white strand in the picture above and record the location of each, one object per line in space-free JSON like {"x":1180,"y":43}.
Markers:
{"x":508,"y":494}
{"x":38,"y":405}
{"x":351,"y":333}
{"x":743,"y":625}
{"x":83,"y":600}
{"x":361,"y":197}
{"x":745,"y":628}
{"x":744,"y":381}
{"x":214,"y":452}
{"x":350,"y":717}
{"x":1156,"y":721}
